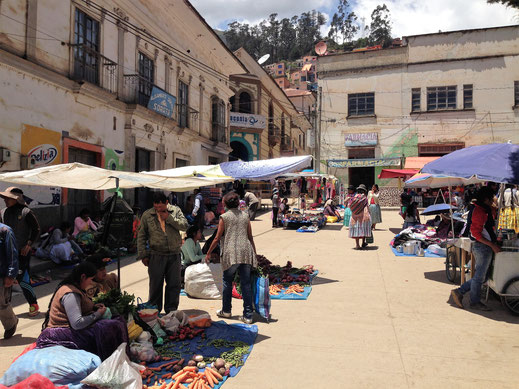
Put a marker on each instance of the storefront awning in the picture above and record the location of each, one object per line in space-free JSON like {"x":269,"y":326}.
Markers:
{"x":397,"y":173}
{"x":417,"y":162}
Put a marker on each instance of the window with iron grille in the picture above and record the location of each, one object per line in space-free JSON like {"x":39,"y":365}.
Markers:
{"x":438,"y":149}
{"x":516,"y":93}
{"x":441,"y":97}
{"x":360,"y":104}
{"x":146,"y":70}
{"x":86,"y":47}
{"x":467,"y":96}
{"x":218,"y":120}
{"x":416,"y":99}
{"x":183,"y":107}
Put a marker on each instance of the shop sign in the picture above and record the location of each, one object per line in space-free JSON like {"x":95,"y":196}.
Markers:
{"x":361,"y":139}
{"x":247,"y":120}
{"x":162,"y":102}
{"x":368,"y":162}
{"x":41,"y":146}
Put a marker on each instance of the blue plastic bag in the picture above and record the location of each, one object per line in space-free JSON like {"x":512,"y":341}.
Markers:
{"x":261,"y":296}
{"x":61,"y":365}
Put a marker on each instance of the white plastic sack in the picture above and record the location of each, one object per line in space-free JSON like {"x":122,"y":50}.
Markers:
{"x":117,"y":371}
{"x":435,"y":249}
{"x":143,"y":351}
{"x":173,"y":320}
{"x":204,"y":281}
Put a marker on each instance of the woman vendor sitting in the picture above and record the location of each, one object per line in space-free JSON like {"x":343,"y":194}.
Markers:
{"x":102,"y":281}
{"x":74,"y":321}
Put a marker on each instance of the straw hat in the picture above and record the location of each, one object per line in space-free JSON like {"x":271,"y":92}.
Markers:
{"x":15,"y":194}
{"x":362,"y":187}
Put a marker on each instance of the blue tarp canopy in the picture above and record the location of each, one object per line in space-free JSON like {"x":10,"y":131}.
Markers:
{"x":498,"y":162}
{"x":265,"y":169}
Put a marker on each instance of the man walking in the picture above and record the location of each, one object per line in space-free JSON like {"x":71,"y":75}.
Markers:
{"x":26,"y":229}
{"x":252,"y":202}
{"x":159,"y":230}
{"x":275,"y":207}
{"x":482,"y":232}
{"x":8,"y":272}
{"x":199,"y":212}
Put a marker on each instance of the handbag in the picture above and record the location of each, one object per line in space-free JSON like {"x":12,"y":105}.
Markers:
{"x":261,"y":296}
{"x":144,"y":305}
{"x":369,"y":239}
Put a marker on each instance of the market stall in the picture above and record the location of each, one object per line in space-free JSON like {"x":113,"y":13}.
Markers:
{"x":497,"y":163}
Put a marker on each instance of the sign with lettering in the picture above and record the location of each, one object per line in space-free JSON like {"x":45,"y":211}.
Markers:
{"x":41,"y":146}
{"x":162,"y":102}
{"x":367,"y":162}
{"x":361,"y":139}
{"x":247,"y":120}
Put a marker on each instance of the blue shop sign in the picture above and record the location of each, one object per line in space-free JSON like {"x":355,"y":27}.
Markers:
{"x":162,"y":102}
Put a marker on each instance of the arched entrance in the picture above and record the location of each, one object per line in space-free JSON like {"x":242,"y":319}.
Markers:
{"x":239,"y":151}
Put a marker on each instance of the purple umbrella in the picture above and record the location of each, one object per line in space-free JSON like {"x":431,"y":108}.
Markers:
{"x":498,"y":162}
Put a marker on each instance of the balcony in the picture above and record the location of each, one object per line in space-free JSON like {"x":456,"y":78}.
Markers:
{"x":90,"y":66}
{"x":218,"y":134}
{"x":287,"y":146}
{"x":274,"y":135}
{"x":137,"y":89}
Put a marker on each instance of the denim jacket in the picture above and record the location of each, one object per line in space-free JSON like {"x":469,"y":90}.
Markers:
{"x":8,"y":252}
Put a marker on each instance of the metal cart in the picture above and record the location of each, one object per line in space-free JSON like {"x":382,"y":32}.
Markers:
{"x":504,"y":279}
{"x":458,"y":252}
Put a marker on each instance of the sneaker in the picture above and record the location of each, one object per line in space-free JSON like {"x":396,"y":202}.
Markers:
{"x":34,"y":310}
{"x":221,"y":313}
{"x":9,"y":333}
{"x":480,"y":306}
{"x":246,"y":320}
{"x":457,"y":297}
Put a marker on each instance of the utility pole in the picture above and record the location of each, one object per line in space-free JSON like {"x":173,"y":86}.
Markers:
{"x":318,"y":134}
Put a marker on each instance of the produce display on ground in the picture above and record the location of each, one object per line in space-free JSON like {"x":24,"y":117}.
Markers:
{"x":205,"y":357}
{"x":286,"y":282}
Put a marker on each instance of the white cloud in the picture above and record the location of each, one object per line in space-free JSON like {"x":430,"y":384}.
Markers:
{"x":218,"y":12}
{"x":413,"y":17}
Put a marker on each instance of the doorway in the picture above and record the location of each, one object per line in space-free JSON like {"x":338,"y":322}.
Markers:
{"x":239,"y":151}
{"x":361,"y":175}
{"x":142,"y":195}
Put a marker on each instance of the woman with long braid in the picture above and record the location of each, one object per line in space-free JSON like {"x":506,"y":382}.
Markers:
{"x":74,"y":321}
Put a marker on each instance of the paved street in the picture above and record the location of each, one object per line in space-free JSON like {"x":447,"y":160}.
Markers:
{"x":372,"y":320}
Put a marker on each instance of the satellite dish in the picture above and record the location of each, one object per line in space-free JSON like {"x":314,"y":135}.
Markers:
{"x":263,"y":59}
{"x":320,"y":48}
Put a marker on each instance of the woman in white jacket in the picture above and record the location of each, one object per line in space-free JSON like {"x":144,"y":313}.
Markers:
{"x":374,"y":207}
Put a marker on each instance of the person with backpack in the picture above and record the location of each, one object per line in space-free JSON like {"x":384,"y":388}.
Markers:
{"x":26,"y":229}
{"x":360,"y":221}
{"x":8,"y":273}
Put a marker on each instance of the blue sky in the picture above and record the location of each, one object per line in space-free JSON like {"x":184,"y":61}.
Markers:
{"x":410,"y":17}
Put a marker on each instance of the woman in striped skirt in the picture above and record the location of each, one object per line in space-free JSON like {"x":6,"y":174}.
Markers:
{"x":360,"y":222}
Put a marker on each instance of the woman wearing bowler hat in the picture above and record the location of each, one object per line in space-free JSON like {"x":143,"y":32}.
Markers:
{"x":360,"y":222}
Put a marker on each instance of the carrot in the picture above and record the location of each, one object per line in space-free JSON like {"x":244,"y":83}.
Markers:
{"x":216,"y":374}
{"x":170,"y":385}
{"x":192,"y":385}
{"x":209,"y":378}
{"x":174,"y":376}
{"x":190,"y":368}
{"x":189,"y":380}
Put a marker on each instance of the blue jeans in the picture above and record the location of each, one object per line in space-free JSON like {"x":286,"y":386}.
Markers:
{"x":246,"y":288}
{"x":483,"y":255}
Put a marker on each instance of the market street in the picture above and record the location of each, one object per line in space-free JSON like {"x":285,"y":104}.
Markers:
{"x":372,"y":320}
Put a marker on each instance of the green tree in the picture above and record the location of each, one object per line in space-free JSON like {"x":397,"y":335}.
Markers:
{"x":508,"y":3}
{"x":380,"y":26}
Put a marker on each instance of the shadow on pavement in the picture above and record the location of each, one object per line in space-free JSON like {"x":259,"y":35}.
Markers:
{"x":321,"y":280}
{"x":395,"y":230}
{"x":439,"y":276}
{"x":333,"y":227}
{"x":17,"y":340}
{"x":498,"y":313}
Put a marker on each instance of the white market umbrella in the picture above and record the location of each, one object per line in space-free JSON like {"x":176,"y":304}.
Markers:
{"x":79,"y":176}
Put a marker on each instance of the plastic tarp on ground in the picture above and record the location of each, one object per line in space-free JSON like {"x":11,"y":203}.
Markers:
{"x":219,"y":330}
{"x":79,"y":176}
{"x":427,"y":254}
{"x":265,"y":169}
{"x":292,"y":296}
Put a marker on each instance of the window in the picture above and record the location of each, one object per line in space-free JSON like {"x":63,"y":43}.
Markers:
{"x":438,"y":149}
{"x":361,"y":104}
{"x":467,"y":96}
{"x":145,"y":79}
{"x":218,"y":120}
{"x":304,"y":141}
{"x":516,"y":93}
{"x":179,"y":162}
{"x":245,"y":105}
{"x":86,"y":47}
{"x":441,"y":97}
{"x":416,"y":99}
{"x":213,"y":160}
{"x":183,"y":107}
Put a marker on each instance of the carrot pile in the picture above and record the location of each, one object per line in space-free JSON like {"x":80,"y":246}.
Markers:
{"x":188,"y":375}
{"x":295,"y":289}
{"x":154,"y":374}
{"x":275,"y":289}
